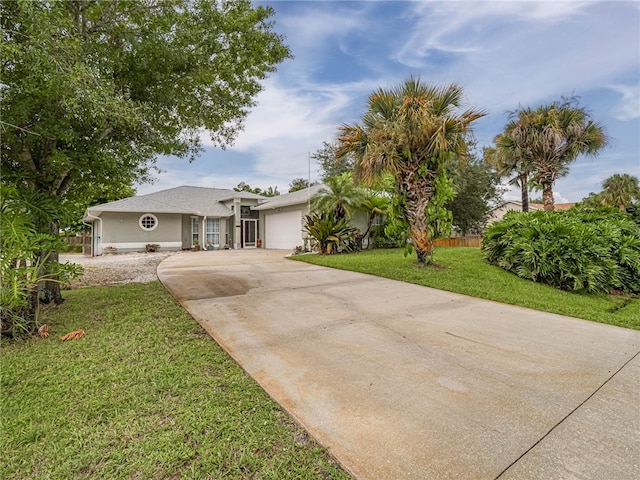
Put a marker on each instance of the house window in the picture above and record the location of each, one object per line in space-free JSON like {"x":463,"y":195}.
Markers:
{"x":213,"y":232}
{"x":195,"y":234}
{"x":148,"y":222}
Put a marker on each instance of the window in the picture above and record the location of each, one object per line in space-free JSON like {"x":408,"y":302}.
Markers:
{"x":148,"y":222}
{"x":195,"y":235}
{"x":213,"y":232}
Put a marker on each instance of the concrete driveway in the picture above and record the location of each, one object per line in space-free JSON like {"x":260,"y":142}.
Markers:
{"x":400,"y":381}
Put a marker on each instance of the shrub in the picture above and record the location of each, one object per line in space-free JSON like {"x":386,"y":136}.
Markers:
{"x":573,"y":250}
{"x":22,"y":265}
{"x":329,"y":234}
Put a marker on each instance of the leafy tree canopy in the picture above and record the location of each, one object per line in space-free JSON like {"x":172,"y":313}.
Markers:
{"x":245,"y":187}
{"x":269,"y":192}
{"x":93,"y":91}
{"x":477,"y":191}
{"x":332,"y":165}
{"x":300,"y":184}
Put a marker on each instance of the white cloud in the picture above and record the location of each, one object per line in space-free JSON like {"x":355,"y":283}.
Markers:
{"x":511,"y":53}
{"x":558,"y":198}
{"x":628,"y":108}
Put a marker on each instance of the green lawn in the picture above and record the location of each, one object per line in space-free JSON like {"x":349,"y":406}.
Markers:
{"x":146,"y":394}
{"x":465,"y":271}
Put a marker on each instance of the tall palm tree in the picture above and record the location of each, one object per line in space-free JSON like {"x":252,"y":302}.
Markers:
{"x":507,"y":159}
{"x":341,"y":197}
{"x":410,"y":131}
{"x":551,"y":137}
{"x":620,"y":190}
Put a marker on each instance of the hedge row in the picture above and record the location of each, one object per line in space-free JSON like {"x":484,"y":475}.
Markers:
{"x":593,"y":251}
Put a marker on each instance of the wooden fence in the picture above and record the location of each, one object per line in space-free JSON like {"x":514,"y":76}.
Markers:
{"x":459,"y":242}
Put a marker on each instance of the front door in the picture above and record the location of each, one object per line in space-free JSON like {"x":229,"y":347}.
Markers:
{"x":249,"y":233}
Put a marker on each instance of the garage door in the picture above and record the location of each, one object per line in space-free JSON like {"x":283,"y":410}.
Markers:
{"x":283,"y":230}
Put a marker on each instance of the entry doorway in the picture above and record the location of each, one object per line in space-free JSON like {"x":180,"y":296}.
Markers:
{"x":249,"y":233}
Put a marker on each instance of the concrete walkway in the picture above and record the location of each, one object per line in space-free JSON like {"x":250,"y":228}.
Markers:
{"x":400,"y":381}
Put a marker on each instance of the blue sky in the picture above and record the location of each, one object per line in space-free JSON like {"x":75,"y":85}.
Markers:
{"x":504,"y":54}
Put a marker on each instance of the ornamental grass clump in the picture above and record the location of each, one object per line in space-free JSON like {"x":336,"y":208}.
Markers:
{"x":592,"y":251}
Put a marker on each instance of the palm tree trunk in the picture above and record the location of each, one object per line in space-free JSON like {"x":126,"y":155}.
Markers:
{"x":524,"y":190}
{"x":547,"y":196}
{"x":418,"y":196}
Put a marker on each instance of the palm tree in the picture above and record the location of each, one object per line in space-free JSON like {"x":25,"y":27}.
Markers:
{"x":410,"y":131}
{"x":341,"y":197}
{"x":506,"y":158}
{"x":550,"y":137}
{"x":620,"y":190}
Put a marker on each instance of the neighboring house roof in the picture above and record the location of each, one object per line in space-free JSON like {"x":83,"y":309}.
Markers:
{"x":287,"y":199}
{"x":557,"y":206}
{"x":185,"y":200}
{"x":516,"y":206}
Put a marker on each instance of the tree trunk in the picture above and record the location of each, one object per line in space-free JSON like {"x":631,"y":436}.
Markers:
{"x":418,"y":194}
{"x":419,"y":228}
{"x":50,"y":291}
{"x":547,"y":196}
{"x":524,"y":189}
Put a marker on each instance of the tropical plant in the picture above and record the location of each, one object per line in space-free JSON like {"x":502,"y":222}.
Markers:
{"x":620,"y":190}
{"x":270,"y":192}
{"x":573,"y":250}
{"x":375,"y":205}
{"x":340,"y":197}
{"x":411,"y":131}
{"x":330,"y":234}
{"x":547,"y":139}
{"x":245,"y":187}
{"x":22,"y":263}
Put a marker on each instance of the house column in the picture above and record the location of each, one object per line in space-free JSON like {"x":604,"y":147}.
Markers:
{"x":204,"y":233}
{"x":237,"y":218}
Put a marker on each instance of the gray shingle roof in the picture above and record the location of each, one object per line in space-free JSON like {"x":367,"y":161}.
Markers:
{"x":185,"y":200}
{"x":286,"y":199}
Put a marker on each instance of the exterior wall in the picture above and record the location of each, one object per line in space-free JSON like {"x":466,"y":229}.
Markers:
{"x":123,"y":232}
{"x":500,"y":212}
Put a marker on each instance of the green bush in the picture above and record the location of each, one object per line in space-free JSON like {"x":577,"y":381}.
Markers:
{"x":573,"y":250}
{"x":329,"y":234}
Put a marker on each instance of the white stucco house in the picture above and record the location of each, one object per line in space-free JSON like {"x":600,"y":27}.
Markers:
{"x":213,"y":218}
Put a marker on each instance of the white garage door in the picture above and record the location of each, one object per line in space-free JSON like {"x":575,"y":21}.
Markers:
{"x":283,"y":230}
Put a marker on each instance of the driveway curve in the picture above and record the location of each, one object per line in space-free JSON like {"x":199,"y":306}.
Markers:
{"x":400,"y":381}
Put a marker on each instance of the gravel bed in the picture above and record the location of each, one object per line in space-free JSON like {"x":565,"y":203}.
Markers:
{"x":116,"y":269}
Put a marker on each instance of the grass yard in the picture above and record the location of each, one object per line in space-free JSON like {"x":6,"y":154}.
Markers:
{"x":465,"y":271}
{"x":146,"y":394}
